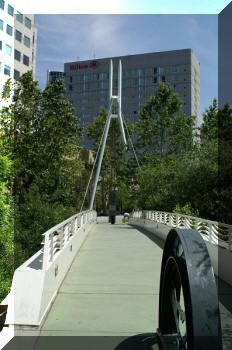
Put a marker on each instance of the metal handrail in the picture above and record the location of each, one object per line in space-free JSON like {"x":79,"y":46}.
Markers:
{"x":57,"y":237}
{"x":212,"y":231}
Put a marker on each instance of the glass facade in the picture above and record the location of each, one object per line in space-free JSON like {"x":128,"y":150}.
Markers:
{"x":16,"y":74}
{"x":175,"y":69}
{"x":2,"y":4}
{"x":26,"y":60}
{"x":27,"y":41}
{"x":18,"y":35}
{"x":10,"y":10}
{"x":8,"y":50}
{"x":19,"y":17}
{"x":9,"y":29}
{"x":17,"y":55}
{"x":28,"y":22}
{"x":6,"y":70}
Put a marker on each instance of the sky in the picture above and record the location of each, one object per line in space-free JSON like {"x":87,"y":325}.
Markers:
{"x":65,"y":38}
{"x":124,"y":6}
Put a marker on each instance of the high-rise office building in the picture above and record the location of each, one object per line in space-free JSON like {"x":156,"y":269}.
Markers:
{"x":225,"y":56}
{"x":18,"y":37}
{"x":53,"y":75}
{"x":87,"y":82}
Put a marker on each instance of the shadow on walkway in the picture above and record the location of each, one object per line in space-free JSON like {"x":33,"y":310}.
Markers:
{"x":152,"y":237}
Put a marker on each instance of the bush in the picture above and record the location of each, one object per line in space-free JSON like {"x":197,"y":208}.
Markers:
{"x":186,"y":210}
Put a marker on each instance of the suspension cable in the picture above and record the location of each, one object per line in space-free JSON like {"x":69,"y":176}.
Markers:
{"x":95,"y":160}
{"x":131,"y":142}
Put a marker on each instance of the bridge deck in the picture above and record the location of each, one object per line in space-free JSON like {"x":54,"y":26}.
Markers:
{"x":112,"y":286}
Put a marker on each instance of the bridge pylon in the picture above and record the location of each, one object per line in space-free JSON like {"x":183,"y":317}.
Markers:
{"x":114,"y":100}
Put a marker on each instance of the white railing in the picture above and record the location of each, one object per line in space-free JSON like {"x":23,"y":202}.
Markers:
{"x":212,"y":231}
{"x":56,"y":238}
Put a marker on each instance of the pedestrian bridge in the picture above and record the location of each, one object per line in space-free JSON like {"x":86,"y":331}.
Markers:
{"x":92,"y":278}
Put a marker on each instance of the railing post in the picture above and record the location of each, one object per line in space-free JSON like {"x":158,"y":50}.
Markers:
{"x":51,"y":247}
{"x":45,"y":251}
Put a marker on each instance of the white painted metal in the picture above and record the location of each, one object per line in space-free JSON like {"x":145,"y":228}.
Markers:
{"x":216,"y":247}
{"x":36,"y":282}
{"x":112,"y":98}
{"x":212,"y":231}
{"x":101,"y":156}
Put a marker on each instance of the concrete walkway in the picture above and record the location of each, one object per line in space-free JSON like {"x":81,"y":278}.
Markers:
{"x":112,"y":287}
{"x":112,"y":292}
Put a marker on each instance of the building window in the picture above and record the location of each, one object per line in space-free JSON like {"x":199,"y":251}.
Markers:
{"x":70,"y":79}
{"x":175,"y":78}
{"x":134,"y":82}
{"x":26,"y":60}
{"x":8,"y":50}
{"x":162,"y":70}
{"x":18,"y":35}
{"x":19,"y":17}
{"x":0,"y":45}
{"x":1,"y":24}
{"x":27,"y":41}
{"x":2,"y":4}
{"x":17,"y":55}
{"x":10,"y":10}
{"x":124,"y":73}
{"x":105,"y":84}
{"x":80,"y":77}
{"x":163,"y":79}
{"x":141,"y":72}
{"x":16,"y":74}
{"x":28,"y":22}
{"x":70,"y":87}
{"x":155,"y":70}
{"x":6,"y":70}
{"x":175,"y":69}
{"x":155,"y":80}
{"x":9,"y":29}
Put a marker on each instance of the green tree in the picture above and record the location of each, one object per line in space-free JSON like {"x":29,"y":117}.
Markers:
{"x":6,"y":207}
{"x":209,"y":128}
{"x":44,"y":136}
{"x":158,"y":121}
{"x":225,"y":164}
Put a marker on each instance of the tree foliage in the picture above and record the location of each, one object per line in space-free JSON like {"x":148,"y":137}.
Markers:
{"x":42,"y":176}
{"x":162,"y":128}
{"x":41,"y":133}
{"x":6,"y":214}
{"x":114,"y":165}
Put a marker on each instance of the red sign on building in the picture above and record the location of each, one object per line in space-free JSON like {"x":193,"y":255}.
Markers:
{"x":93,"y":64}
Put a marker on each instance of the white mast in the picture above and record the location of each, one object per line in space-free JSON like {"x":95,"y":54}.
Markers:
{"x":118,"y":100}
